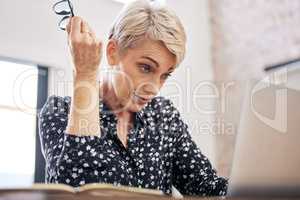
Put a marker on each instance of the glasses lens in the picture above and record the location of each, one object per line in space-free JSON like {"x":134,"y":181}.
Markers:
{"x":62,"y":8}
{"x":64,"y":22}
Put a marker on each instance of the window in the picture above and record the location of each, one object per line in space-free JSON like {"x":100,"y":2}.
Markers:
{"x":18,"y":123}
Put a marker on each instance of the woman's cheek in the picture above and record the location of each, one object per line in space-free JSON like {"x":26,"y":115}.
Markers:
{"x":122,"y":88}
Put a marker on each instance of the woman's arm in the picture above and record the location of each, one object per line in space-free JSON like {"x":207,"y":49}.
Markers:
{"x":193,"y":173}
{"x":65,"y":152}
{"x":84,"y":113}
{"x":67,"y":130}
{"x":86,"y":53}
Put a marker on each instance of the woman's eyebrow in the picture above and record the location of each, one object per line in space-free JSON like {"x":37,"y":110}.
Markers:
{"x":152,"y":60}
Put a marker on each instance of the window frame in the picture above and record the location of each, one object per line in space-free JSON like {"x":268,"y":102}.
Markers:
{"x":42,"y":94}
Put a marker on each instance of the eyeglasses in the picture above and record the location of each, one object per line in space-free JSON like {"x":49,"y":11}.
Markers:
{"x":65,"y":8}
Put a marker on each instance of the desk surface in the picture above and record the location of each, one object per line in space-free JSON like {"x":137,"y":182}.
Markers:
{"x":108,"y":193}
{"x":82,"y":196}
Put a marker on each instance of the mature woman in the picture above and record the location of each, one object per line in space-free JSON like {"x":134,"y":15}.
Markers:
{"x":118,"y":131}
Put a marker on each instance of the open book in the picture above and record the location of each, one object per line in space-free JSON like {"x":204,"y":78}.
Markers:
{"x":92,"y":189}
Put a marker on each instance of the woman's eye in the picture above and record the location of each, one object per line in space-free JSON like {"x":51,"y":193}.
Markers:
{"x":165,"y":76}
{"x":145,"y":68}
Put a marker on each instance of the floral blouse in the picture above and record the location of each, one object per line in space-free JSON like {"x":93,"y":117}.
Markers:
{"x":160,"y":152}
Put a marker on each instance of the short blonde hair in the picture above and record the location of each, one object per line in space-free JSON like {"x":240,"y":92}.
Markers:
{"x":142,"y":19}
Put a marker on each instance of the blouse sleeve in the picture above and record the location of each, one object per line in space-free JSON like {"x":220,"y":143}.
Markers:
{"x":192,"y":171}
{"x":67,"y":160}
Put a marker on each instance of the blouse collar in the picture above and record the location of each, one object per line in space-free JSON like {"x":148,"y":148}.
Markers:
{"x":105,"y":111}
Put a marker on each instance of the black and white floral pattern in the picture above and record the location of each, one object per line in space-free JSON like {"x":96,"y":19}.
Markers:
{"x":160,"y":151}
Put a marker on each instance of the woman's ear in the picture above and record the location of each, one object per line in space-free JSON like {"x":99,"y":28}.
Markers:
{"x":112,"y":52}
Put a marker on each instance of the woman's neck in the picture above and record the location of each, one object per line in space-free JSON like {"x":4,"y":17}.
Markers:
{"x":124,"y":118}
{"x":108,"y":95}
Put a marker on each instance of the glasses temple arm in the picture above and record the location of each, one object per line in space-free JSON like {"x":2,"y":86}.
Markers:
{"x":71,"y":8}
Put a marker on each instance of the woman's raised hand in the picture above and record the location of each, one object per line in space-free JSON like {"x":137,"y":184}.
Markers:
{"x":85,"y":48}
{"x":86,"y":53}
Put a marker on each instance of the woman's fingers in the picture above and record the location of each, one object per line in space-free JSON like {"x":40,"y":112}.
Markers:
{"x":85,"y":49}
{"x":92,"y":33}
{"x":84,"y":27}
{"x":87,"y":32}
{"x":75,"y":28}
{"x":78,"y":28}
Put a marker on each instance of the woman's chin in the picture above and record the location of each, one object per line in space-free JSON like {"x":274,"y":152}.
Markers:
{"x":133,"y":105}
{"x":136,"y":107}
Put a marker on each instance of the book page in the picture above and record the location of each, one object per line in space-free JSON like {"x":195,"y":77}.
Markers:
{"x":98,"y":189}
{"x":53,"y":187}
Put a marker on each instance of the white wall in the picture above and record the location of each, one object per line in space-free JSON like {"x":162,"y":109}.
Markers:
{"x":29,"y":32}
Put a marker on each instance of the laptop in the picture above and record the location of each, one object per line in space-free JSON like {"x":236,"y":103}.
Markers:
{"x":266,"y":159}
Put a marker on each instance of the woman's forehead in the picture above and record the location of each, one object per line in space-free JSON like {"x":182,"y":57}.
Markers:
{"x":153,"y":51}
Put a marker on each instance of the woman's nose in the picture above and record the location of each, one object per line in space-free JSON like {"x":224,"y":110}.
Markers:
{"x":151,"y":88}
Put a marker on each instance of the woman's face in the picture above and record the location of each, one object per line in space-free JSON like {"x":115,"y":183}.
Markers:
{"x":140,"y":72}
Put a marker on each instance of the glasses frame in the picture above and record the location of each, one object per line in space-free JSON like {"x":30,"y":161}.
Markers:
{"x":67,"y":14}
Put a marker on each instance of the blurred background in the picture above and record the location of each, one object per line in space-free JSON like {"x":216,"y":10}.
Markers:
{"x":229,"y":42}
